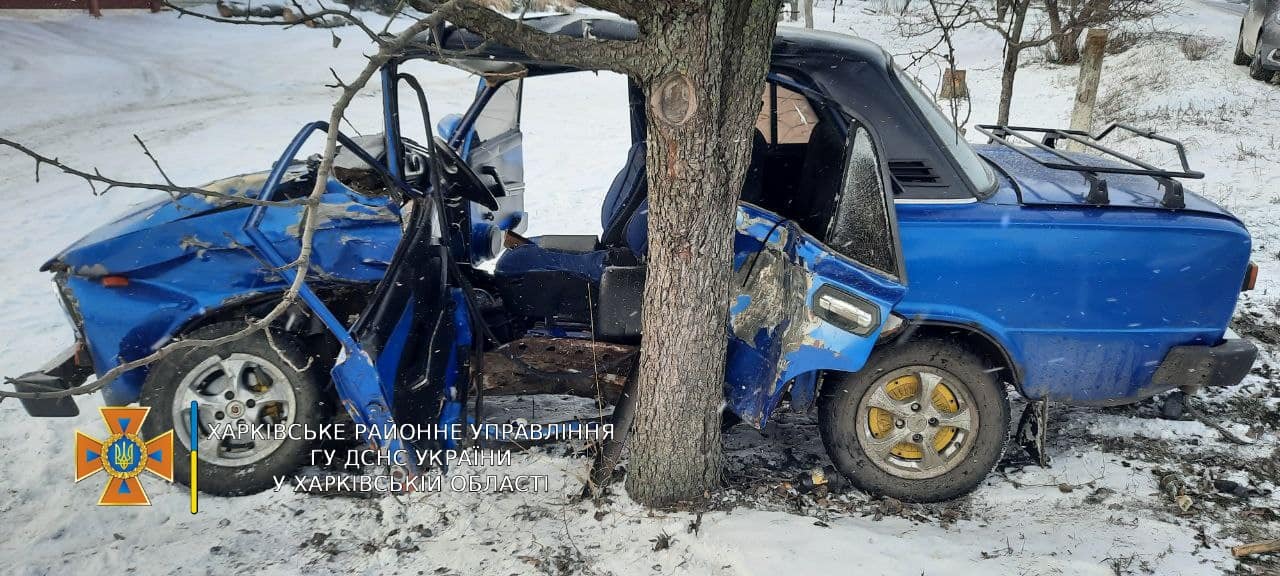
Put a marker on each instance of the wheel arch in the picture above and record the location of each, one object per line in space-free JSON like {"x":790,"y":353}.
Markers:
{"x":987,"y":347}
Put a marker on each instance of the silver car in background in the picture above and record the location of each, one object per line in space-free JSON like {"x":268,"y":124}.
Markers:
{"x":1259,"y":41}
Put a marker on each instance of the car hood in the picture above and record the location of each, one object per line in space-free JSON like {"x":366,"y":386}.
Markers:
{"x":1043,"y":186}
{"x":113,"y":248}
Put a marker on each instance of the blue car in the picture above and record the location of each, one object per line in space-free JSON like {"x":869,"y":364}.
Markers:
{"x":889,"y":274}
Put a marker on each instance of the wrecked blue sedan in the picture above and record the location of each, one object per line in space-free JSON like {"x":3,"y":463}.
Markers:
{"x":888,"y":274}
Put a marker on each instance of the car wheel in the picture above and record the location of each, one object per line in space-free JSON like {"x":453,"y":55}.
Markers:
{"x":1240,"y":59}
{"x":923,"y":421}
{"x":249,"y":381}
{"x":1256,"y":71}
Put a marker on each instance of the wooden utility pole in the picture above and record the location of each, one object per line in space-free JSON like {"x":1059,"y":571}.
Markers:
{"x":1095,"y":45}
{"x":954,"y":84}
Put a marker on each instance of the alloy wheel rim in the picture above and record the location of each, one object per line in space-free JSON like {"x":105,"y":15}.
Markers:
{"x":917,"y":422}
{"x":235,"y":390}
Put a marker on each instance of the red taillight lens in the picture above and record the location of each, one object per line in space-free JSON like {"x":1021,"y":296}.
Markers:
{"x":115,"y":281}
{"x":1250,"y":277}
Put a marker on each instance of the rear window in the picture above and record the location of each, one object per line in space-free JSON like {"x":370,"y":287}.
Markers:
{"x":973,"y":167}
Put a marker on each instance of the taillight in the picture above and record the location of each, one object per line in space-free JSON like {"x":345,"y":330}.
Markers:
{"x":1250,"y":277}
{"x":115,"y":281}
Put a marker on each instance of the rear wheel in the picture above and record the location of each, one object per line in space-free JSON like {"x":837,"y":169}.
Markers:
{"x":253,"y":382}
{"x":923,"y":421}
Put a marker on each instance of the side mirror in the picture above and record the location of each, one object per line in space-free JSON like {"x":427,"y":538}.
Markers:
{"x":448,"y":125}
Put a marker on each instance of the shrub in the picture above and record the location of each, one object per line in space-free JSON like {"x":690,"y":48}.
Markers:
{"x":1195,"y":47}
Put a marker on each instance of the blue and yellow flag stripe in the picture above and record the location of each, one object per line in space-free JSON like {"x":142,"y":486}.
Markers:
{"x":195,"y":450}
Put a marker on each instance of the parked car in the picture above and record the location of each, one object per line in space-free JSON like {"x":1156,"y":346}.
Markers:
{"x":888,"y":273}
{"x":1258,"y":45}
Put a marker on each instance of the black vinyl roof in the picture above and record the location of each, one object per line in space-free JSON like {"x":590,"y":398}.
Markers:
{"x":468,"y":50}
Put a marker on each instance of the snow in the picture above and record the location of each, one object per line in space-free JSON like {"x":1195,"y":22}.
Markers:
{"x":213,"y":100}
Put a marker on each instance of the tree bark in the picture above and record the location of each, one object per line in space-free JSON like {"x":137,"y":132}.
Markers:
{"x":1012,"y":51}
{"x":1095,"y":46}
{"x":702,"y":99}
{"x":807,"y":6}
{"x":1064,"y":42}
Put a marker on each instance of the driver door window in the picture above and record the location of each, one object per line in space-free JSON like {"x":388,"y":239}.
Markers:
{"x":495,"y":147}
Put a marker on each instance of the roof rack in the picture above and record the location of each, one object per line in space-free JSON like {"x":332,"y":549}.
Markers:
{"x":1173,"y":197}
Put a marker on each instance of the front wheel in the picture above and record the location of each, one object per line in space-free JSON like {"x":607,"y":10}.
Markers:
{"x":1240,"y":58}
{"x":923,"y":421}
{"x":254,"y":382}
{"x":1256,"y":70}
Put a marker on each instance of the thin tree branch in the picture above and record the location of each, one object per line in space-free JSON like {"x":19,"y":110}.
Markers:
{"x":312,"y":17}
{"x":94,"y":178}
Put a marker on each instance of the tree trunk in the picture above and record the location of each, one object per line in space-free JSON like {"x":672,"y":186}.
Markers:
{"x":1011,"y":53}
{"x":807,"y":6}
{"x":1064,"y":41}
{"x":1095,"y":47}
{"x":702,"y":101}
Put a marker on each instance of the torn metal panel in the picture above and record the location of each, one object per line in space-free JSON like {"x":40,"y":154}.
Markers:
{"x":186,"y":256}
{"x":777,"y":339}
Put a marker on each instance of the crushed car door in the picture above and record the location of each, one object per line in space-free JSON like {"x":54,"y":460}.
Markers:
{"x":801,"y":306}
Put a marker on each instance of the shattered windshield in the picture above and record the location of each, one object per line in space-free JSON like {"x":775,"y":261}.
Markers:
{"x":975,"y":170}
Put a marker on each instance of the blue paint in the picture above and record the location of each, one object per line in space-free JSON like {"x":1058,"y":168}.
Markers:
{"x":793,"y":351}
{"x":1085,"y":300}
{"x":195,"y":426}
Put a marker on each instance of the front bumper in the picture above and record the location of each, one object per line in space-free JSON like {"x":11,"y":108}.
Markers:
{"x":68,"y":369}
{"x":1194,"y":367}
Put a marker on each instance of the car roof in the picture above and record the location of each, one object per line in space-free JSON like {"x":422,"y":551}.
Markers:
{"x":792,"y":47}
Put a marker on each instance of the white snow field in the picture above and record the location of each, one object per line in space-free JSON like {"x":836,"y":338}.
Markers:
{"x":214,"y":100}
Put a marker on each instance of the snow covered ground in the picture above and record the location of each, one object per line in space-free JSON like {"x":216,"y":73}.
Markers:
{"x":215,"y":100}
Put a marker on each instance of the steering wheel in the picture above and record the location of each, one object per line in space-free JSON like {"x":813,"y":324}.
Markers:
{"x":460,"y":180}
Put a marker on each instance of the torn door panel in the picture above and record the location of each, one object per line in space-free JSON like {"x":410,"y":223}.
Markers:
{"x":777,"y":337}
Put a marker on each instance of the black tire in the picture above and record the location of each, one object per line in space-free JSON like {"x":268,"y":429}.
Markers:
{"x":1240,"y":58}
{"x":973,"y":457}
{"x":310,"y":409}
{"x":1256,"y":71}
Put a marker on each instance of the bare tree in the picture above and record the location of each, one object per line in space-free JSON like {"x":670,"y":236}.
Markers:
{"x":1024,"y":24}
{"x":701,"y":66}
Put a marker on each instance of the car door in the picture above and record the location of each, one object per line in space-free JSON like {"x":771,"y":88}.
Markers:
{"x":800,"y":306}
{"x":493,"y":145}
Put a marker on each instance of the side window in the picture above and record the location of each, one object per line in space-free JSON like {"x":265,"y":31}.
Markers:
{"x":495,"y":147}
{"x":861,"y":226}
{"x":502,"y":113}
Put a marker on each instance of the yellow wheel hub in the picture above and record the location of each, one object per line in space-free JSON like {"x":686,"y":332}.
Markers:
{"x":903,"y":388}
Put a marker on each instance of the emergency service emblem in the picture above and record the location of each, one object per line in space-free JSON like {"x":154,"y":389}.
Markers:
{"x":124,"y":455}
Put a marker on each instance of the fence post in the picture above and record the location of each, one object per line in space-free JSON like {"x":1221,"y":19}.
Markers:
{"x":1095,"y":45}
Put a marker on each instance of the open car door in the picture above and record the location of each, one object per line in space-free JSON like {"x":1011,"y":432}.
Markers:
{"x":801,"y":306}
{"x":488,"y":136}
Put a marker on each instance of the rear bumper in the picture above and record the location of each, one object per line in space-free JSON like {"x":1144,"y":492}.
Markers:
{"x":69,"y":368}
{"x":1198,"y":366}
